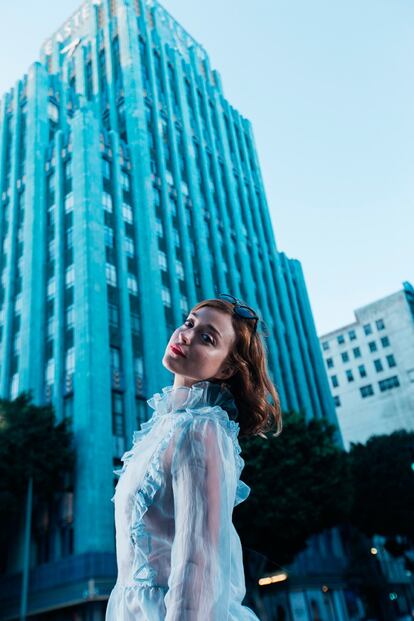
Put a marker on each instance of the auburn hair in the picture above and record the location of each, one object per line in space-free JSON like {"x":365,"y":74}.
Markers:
{"x":250,"y":383}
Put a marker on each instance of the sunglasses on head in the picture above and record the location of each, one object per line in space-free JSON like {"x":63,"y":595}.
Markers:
{"x":240,"y":309}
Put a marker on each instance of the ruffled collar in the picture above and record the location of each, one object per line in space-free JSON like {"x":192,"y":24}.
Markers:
{"x":201,"y":395}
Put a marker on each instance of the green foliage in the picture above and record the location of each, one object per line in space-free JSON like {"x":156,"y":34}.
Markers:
{"x":31,"y":444}
{"x":384,"y":485}
{"x":300,"y":484}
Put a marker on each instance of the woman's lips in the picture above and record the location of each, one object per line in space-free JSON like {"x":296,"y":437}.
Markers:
{"x":177,"y":351}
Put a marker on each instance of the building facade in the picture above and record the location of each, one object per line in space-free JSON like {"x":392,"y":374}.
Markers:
{"x":371,"y":368}
{"x":130,"y":189}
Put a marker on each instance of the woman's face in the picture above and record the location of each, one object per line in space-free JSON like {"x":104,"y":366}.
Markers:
{"x":206,"y":338}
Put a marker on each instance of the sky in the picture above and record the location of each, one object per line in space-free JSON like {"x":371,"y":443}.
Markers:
{"x":329,"y":88}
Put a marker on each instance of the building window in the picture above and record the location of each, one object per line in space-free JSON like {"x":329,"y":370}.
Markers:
{"x":366,"y":391}
{"x":184,"y":304}
{"x":334,"y":381}
{"x":117,"y":414}
{"x":129,"y":246}
{"x":115,"y":359}
{"x":356,"y":352}
{"x":325,"y":345}
{"x":372,"y":346}
{"x":380,"y":324}
{"x":70,"y":361}
{"x":113,"y":315}
{"x":68,"y":169}
{"x":159,"y":228}
{"x":51,"y":287}
{"x":341,"y":339}
{"x":367,"y":329}
{"x":50,"y":371}
{"x":50,"y":327}
{"x":345,"y":356}
{"x":106,"y":169}
{"x":349,"y":375}
{"x":127,"y":213}
{"x":385,"y":341}
{"x":110,"y":274}
{"x":337,"y":401}
{"x":109,"y":237}
{"x":166,"y":296}
{"x":329,"y":363}
{"x":70,"y":316}
{"x":132,"y":284}
{"x":362,"y":371}
{"x":70,"y":276}
{"x":69,"y":202}
{"x":179,"y":269}
{"x":107,"y":202}
{"x":162,"y":260}
{"x":125,"y":181}
{"x":378,"y":365}
{"x":53,"y":112}
{"x":352,"y":335}
{"x":391,"y":361}
{"x":387,"y":384}
{"x":14,"y":386}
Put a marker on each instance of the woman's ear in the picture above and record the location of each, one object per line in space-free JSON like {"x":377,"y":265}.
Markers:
{"x":225,"y":373}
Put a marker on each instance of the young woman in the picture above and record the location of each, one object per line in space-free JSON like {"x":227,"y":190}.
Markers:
{"x":179,"y":556}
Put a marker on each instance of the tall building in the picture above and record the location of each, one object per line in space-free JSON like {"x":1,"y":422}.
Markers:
{"x":130,"y":189}
{"x":370,"y":363}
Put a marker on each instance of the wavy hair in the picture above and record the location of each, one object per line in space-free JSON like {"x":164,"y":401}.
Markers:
{"x":250,"y":383}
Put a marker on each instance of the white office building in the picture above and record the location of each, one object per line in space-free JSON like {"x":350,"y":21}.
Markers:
{"x":370,"y":364}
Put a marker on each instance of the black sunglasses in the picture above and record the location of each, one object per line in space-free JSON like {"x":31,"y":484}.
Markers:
{"x":240,"y":309}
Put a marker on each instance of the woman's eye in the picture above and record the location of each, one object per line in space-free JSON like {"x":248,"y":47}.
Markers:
{"x":209,"y":340}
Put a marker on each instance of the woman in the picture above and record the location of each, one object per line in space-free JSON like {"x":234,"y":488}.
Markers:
{"x":179,"y":556}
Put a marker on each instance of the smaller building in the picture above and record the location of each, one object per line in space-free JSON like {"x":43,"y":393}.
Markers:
{"x":370,"y":364}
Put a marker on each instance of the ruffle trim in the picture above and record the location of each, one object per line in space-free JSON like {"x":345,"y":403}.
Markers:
{"x":202,"y":394}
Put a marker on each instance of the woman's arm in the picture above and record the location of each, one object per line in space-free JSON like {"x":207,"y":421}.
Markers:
{"x":203,"y":481}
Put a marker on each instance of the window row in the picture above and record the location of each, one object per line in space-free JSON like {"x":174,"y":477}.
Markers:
{"x":357,"y":351}
{"x":380,"y":325}
{"x":378,"y":365}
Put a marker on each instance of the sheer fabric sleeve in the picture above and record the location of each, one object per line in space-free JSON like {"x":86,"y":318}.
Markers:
{"x":204,"y":487}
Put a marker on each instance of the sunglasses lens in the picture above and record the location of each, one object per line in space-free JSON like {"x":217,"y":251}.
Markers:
{"x":227,"y":297}
{"x":243,"y":311}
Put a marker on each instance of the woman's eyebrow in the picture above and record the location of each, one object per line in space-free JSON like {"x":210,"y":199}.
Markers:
{"x":209,"y":325}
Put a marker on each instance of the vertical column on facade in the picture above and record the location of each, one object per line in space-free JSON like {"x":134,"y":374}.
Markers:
{"x":182,"y":220}
{"x":151,"y":39}
{"x":298,"y":345}
{"x":215,"y":249}
{"x":154,"y":333}
{"x":108,"y":36}
{"x":10,"y":269}
{"x":275,"y":323}
{"x":320,"y":377}
{"x":59,"y":351}
{"x":234,"y":208}
{"x":34,"y":236}
{"x":199,"y":236}
{"x":4,"y":103}
{"x":93,"y":34}
{"x":122,"y":272}
{"x":220,"y":213}
{"x":92,"y":380}
{"x":291,"y":354}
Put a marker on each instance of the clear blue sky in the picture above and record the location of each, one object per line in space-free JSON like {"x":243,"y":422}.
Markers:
{"x":329,"y":88}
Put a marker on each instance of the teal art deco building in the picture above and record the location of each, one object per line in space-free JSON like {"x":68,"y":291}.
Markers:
{"x":130,"y":189}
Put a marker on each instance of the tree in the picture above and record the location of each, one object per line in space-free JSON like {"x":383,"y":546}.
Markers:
{"x":384,"y":486}
{"x":301,"y":485}
{"x":33,"y":446}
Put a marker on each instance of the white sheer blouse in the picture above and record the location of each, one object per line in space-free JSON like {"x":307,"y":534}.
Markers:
{"x":179,"y":556}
